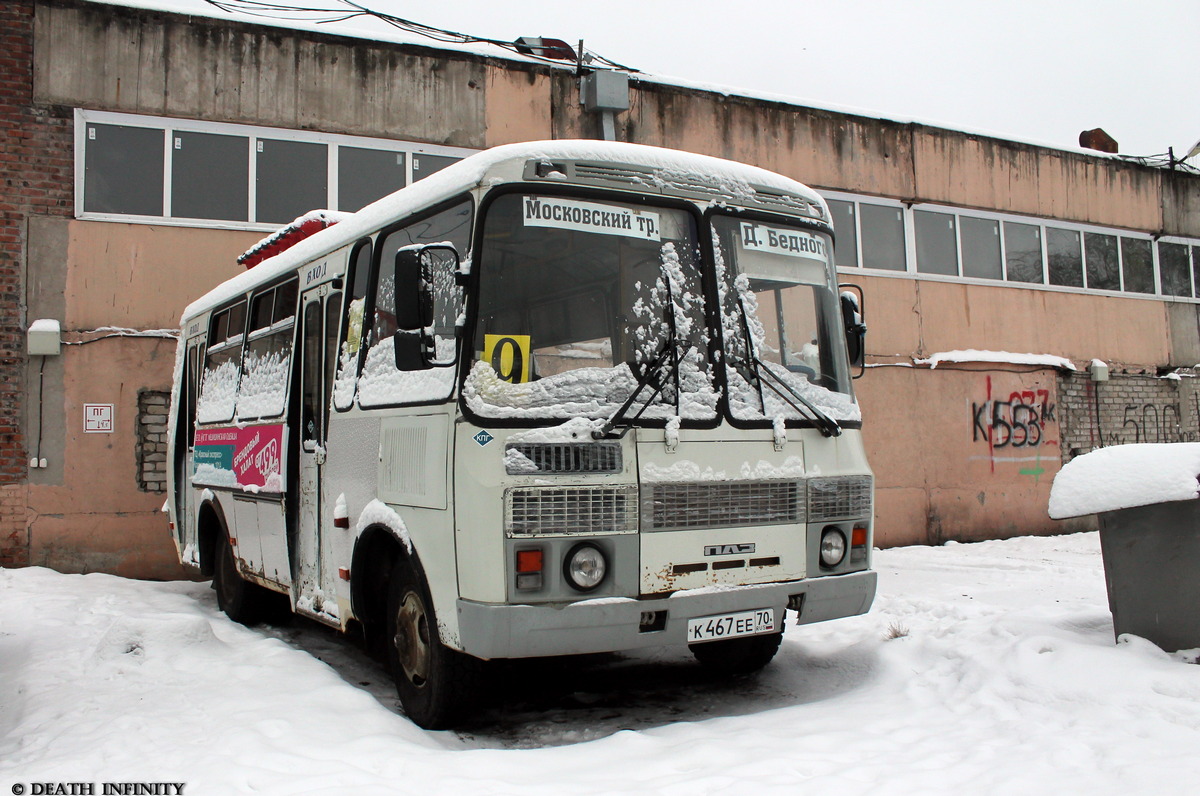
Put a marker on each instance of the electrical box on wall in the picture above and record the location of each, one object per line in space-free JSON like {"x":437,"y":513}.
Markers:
{"x":44,"y":337}
{"x":605,"y":91}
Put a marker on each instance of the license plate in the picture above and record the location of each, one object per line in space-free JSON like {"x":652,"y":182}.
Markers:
{"x":746,"y":623}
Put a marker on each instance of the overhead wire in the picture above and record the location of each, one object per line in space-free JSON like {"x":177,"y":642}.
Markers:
{"x":343,"y":10}
{"x":1166,"y":160}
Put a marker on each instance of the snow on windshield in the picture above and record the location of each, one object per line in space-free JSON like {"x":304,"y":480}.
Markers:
{"x":785,"y":316}
{"x":578,"y":301}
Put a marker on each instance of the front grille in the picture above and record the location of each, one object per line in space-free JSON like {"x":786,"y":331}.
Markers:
{"x":563,"y":457}
{"x":839,"y":498}
{"x":570,"y":510}
{"x":722,"y":504}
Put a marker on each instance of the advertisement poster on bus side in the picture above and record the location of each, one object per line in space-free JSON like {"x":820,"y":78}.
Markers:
{"x":249,"y":457}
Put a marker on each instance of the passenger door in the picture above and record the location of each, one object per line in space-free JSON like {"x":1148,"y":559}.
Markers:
{"x":185,"y":431}
{"x":319,"y":312}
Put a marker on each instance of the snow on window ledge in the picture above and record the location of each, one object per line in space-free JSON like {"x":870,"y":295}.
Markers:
{"x":974,"y":355}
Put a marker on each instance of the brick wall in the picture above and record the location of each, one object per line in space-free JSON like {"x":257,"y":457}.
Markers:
{"x":36,"y":177}
{"x":1125,"y":409}
{"x":14,"y":531}
{"x":152,"y":440}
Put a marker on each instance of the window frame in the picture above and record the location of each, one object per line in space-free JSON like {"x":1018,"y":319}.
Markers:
{"x":275,"y":329}
{"x":911,"y":271}
{"x":1192,"y":247}
{"x":252,"y":133}
{"x":378,"y":244}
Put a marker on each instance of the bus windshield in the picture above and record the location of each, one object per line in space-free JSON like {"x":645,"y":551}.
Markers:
{"x":780,"y":315}
{"x":577,"y":299}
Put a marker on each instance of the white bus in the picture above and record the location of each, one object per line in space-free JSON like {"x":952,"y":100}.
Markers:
{"x":560,"y":397}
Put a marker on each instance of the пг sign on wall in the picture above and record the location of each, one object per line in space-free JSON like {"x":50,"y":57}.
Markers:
{"x":98,"y":418}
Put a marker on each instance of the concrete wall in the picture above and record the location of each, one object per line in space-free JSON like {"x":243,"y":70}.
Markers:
{"x":961,"y":452}
{"x":110,"y":58}
{"x":88,"y":509}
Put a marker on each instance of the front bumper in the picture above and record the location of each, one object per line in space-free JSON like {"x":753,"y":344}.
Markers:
{"x":609,"y":624}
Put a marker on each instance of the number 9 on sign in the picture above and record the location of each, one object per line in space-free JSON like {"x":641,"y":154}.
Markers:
{"x":508,"y":354}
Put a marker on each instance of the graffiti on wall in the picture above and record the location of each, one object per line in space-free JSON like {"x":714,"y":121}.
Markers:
{"x":1152,"y":422}
{"x":1127,"y":409}
{"x":1015,"y":425}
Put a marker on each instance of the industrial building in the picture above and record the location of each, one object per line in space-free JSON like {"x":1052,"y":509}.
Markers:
{"x":1025,"y":304}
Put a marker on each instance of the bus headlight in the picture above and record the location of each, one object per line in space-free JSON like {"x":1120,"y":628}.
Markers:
{"x":833,"y":547}
{"x":585,"y":567}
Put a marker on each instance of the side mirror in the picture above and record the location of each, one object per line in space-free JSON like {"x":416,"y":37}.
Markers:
{"x":421,"y":274}
{"x":856,"y":330}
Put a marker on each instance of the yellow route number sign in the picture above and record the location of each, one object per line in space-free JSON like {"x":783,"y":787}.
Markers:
{"x":508,"y":355}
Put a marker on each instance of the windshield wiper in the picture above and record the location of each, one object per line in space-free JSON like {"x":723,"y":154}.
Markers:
{"x":652,"y":375}
{"x":752,"y":369}
{"x":828,"y":426}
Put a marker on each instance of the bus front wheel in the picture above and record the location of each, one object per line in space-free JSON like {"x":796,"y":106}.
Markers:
{"x":738,"y":655}
{"x":434,"y":682}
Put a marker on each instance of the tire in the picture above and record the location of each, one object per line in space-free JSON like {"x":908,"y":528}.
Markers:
{"x":242,"y":601}
{"x":738,"y":655}
{"x":434,"y":682}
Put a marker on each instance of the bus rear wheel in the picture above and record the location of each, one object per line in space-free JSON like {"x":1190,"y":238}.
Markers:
{"x":435,"y":683}
{"x":738,"y":655}
{"x":242,"y":601}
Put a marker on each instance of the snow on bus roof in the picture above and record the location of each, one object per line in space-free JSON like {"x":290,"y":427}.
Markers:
{"x":736,"y":179}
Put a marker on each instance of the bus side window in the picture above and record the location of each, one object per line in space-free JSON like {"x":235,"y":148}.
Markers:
{"x":222,"y":365}
{"x":267,"y":362}
{"x":380,"y":383}
{"x":352,"y":330}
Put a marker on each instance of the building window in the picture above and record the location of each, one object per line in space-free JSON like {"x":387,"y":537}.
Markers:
{"x":1137,"y":265}
{"x":882,"y":237}
{"x":980,"y":247}
{"x":424,"y":165}
{"x":1174,"y":269}
{"x":365,"y":175}
{"x":1023,"y":252}
{"x":973,"y":244}
{"x":845,"y":241}
{"x":1065,"y":257}
{"x":149,"y":169}
{"x":292,"y":178}
{"x":123,"y":170}
{"x":937,"y":243}
{"x":1196,"y":271}
{"x":1103,"y":270}
{"x":209,"y":174}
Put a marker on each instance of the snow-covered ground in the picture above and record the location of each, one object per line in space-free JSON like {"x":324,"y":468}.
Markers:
{"x":982,"y":668}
